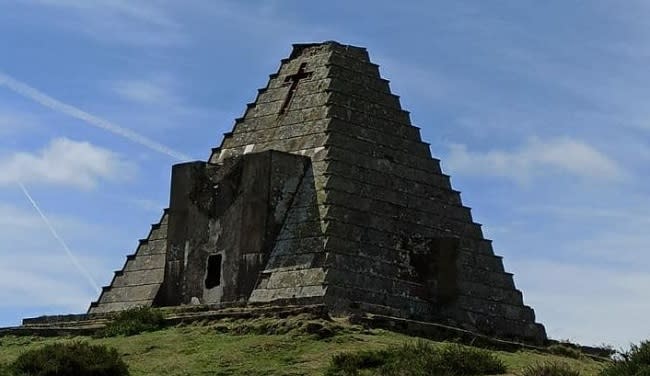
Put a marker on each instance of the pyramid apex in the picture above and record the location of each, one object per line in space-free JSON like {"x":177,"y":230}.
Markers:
{"x":299,"y":48}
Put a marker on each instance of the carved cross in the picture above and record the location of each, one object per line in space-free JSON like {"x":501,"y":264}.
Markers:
{"x":293,"y":79}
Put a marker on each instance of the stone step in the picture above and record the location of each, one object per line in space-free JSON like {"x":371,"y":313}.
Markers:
{"x":142,"y":273}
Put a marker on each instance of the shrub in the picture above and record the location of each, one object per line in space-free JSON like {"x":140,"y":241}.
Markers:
{"x":605,"y":350}
{"x":133,"y":321}
{"x":303,"y":324}
{"x":350,"y":363}
{"x":73,"y":358}
{"x":549,"y":369}
{"x":5,"y":370}
{"x":565,"y":350}
{"x":419,"y":359}
{"x":634,"y":362}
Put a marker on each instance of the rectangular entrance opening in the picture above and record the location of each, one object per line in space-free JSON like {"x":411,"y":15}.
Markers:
{"x":213,"y":275}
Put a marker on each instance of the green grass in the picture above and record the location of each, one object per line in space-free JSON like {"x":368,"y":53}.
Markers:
{"x":295,"y":346}
{"x":70,"y":358}
{"x":550,"y":369}
{"x":133,"y":321}
{"x":418,"y":359}
{"x":565,"y":350}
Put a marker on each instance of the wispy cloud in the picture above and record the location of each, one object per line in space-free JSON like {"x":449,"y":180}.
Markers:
{"x":64,"y":162}
{"x":95,"y":121}
{"x":22,"y":287}
{"x":146,"y":204}
{"x":10,"y":216}
{"x":59,"y":239}
{"x":609,"y":229}
{"x":155,"y":91}
{"x":13,"y":121}
{"x":159,"y":101}
{"x":146,"y":13}
{"x":580,"y":260}
{"x":118,"y":21}
{"x":33,"y":268}
{"x":596,"y":211}
{"x":47,"y":283}
{"x":536,"y":158}
{"x":586,"y":304}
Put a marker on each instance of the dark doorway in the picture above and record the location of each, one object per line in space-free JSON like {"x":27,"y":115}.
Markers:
{"x":213,"y":277}
{"x":434,"y":263}
{"x":445,"y":254}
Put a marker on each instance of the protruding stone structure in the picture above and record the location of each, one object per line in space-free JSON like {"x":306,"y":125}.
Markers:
{"x":324,"y":193}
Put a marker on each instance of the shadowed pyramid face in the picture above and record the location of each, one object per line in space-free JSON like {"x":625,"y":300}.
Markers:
{"x":325,"y":193}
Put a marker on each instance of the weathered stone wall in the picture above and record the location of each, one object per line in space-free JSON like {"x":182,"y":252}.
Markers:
{"x":295,"y":266}
{"x":373,"y":223}
{"x":382,"y":201}
{"x":382,"y":193}
{"x":138,"y":282}
{"x":224,"y":221}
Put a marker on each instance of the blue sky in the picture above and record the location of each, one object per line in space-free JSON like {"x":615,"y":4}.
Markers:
{"x":537,"y":110}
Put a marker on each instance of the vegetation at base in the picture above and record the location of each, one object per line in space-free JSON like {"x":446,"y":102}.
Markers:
{"x":418,"y":359}
{"x":565,"y":350}
{"x":5,"y":370}
{"x":303,"y":324}
{"x":269,"y":346}
{"x":72,"y":358}
{"x":634,"y":362}
{"x":133,"y":321}
{"x":549,"y":369}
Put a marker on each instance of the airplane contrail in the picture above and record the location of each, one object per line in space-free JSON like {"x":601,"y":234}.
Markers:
{"x":55,"y":234}
{"x":56,"y":105}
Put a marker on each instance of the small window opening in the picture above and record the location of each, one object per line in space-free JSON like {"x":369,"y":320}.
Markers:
{"x":213,"y":277}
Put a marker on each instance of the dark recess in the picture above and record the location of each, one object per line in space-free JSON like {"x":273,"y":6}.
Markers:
{"x":213,"y":278}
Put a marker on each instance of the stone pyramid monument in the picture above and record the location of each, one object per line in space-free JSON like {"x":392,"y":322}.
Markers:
{"x":324,"y":193}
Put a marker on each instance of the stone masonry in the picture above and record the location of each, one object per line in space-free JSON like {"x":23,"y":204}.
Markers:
{"x":324,"y":193}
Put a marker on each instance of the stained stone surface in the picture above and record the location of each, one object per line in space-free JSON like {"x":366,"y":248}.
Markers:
{"x":324,"y":192}
{"x":138,"y":283}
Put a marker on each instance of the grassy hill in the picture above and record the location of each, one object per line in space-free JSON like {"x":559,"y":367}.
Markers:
{"x":300,"y":345}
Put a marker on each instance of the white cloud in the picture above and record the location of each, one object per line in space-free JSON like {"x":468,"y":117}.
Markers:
{"x":147,"y":205}
{"x":618,"y":242}
{"x":11,"y":216}
{"x":157,"y":91}
{"x":64,"y":162}
{"x":535,"y":158}
{"x":35,"y":273}
{"x":12,"y":121}
{"x":22,"y":288}
{"x":17,"y":222}
{"x":586,"y":304}
{"x":45,"y":100}
{"x":582,"y":264}
{"x":160,"y":103}
{"x":118,"y":21}
{"x":145,"y":13}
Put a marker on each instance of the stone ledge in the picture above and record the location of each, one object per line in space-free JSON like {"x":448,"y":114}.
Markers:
{"x":87,"y":324}
{"x":441,"y":332}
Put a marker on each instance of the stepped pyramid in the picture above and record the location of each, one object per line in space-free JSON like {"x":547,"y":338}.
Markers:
{"x":324,"y":193}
